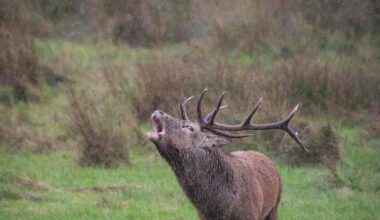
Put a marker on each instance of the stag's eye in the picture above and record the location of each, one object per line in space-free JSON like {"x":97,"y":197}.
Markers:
{"x":188,"y":128}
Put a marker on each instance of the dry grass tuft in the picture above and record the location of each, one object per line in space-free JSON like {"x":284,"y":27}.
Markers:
{"x":152,"y":23}
{"x":373,"y":127}
{"x":19,"y":130}
{"x":21,"y":188}
{"x":102,"y":132}
{"x":331,"y":87}
{"x":323,"y":144}
{"x":298,"y":25}
{"x":19,"y":66}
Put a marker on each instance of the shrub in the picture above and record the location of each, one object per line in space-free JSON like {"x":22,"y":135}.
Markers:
{"x":321,"y":141}
{"x":259,"y":25}
{"x":20,"y":68}
{"x":159,"y":83}
{"x":29,"y":127}
{"x":102,"y":131}
{"x":292,"y":26}
{"x":321,"y":87}
{"x":330,"y":86}
{"x":152,"y":23}
{"x":324,"y":147}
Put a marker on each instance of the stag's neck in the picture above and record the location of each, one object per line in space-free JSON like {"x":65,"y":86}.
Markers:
{"x":207,"y":178}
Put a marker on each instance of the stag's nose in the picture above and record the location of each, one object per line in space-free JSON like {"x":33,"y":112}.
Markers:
{"x":158,"y":113}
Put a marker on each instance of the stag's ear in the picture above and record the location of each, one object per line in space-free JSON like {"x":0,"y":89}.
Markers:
{"x":215,"y":141}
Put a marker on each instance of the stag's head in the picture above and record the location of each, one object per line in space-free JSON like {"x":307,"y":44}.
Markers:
{"x":179,"y":133}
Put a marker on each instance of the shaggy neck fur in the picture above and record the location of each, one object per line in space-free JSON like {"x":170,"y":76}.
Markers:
{"x":206,"y":177}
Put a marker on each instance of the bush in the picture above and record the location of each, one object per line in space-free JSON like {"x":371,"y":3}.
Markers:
{"x":30,"y":127}
{"x":152,"y":23}
{"x":259,"y":25}
{"x":20,"y":68}
{"x":321,"y":87}
{"x":330,"y":87}
{"x":159,"y":83}
{"x":298,"y":25}
{"x":102,"y":131}
{"x":321,"y":141}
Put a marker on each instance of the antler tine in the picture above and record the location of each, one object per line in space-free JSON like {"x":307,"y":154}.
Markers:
{"x":182,"y":108}
{"x":199,"y":110}
{"x":188,"y":99}
{"x":247,"y":120}
{"x":291,"y":114}
{"x":211,"y":117}
{"x":290,"y":131}
{"x":294,"y":135}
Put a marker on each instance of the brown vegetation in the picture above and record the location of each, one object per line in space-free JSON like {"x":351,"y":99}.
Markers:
{"x":20,"y":130}
{"x":323,"y":144}
{"x":20,"y":68}
{"x":321,"y":87}
{"x":101,"y":130}
{"x":290,"y":25}
{"x":142,"y":23}
{"x":246,"y":25}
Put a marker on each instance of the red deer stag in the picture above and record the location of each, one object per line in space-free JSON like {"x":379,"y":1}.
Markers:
{"x":237,"y":185}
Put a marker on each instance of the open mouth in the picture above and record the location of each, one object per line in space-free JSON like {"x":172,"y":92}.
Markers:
{"x":157,"y":124}
{"x":158,"y":129}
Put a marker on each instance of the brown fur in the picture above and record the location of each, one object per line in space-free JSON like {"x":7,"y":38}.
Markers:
{"x":237,"y":185}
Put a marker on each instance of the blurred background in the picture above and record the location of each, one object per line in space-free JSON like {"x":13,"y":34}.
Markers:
{"x":79,"y":80}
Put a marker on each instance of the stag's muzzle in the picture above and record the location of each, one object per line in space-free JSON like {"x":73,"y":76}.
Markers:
{"x":158,"y":126}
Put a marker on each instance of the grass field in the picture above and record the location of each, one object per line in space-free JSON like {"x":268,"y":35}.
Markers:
{"x":49,"y":184}
{"x":52,"y":186}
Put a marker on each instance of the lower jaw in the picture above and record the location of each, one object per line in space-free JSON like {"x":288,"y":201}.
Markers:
{"x":153,"y":136}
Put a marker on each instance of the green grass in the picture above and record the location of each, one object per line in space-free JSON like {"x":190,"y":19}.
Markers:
{"x":146,"y":190}
{"x":92,"y":56}
{"x":52,"y":186}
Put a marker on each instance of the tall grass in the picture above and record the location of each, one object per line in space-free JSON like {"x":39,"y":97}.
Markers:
{"x":321,"y":87}
{"x":245,"y":25}
{"x":34,"y":126}
{"x":327,"y":85}
{"x":22,"y":72}
{"x":101,"y":130}
{"x":20,"y":68}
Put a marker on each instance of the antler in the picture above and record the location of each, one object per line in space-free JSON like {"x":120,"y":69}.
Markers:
{"x":182,"y":108}
{"x":209,"y":123}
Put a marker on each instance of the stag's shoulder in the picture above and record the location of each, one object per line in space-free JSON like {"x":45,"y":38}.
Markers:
{"x":254,"y":159}
{"x":249,"y":154}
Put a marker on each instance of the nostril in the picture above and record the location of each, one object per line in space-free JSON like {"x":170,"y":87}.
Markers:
{"x":160,"y":112}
